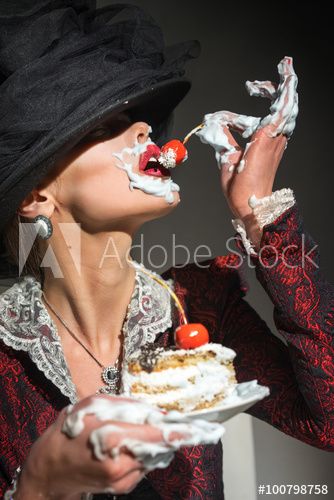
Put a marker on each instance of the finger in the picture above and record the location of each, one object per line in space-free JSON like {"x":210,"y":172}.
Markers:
{"x":106,"y":409}
{"x":214,"y":132}
{"x":146,"y":445}
{"x":230,"y":159}
{"x":284,"y":110}
{"x":119,"y":466}
{"x":243,"y":124}
{"x":126,"y":484}
{"x":259,"y":88}
{"x":111,"y":435}
{"x":116,"y":479}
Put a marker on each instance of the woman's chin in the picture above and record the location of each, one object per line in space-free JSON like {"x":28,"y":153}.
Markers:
{"x":166,"y":206}
{"x":159,"y":207}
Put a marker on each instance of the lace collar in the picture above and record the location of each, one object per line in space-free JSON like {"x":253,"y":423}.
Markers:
{"x":25,"y":324}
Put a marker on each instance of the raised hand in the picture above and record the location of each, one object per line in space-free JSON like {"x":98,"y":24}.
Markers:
{"x":249,"y":173}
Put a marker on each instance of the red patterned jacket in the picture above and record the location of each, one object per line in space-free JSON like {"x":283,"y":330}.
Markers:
{"x":300,"y":373}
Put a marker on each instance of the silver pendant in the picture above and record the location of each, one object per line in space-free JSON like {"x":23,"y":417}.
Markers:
{"x":111,"y":377}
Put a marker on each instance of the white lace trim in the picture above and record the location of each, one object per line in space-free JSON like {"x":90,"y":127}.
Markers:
{"x":13,"y":487}
{"x":268,"y":208}
{"x":150,"y":311}
{"x":266,"y":211}
{"x":25,"y":324}
{"x":239,"y":226}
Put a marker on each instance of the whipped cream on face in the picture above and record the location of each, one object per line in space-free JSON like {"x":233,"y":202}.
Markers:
{"x":146,"y":183}
{"x":151,"y":454}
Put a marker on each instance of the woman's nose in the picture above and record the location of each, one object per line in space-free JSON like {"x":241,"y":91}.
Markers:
{"x":142,"y":131}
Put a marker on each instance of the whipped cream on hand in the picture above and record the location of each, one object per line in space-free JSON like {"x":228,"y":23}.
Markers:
{"x":249,"y":173}
{"x":112,"y":436}
{"x":284,"y":108}
{"x":281,"y":119}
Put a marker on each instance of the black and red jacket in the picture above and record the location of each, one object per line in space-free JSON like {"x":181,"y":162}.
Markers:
{"x":298,"y":370}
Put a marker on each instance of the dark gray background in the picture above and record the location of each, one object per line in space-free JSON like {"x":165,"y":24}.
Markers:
{"x":243,"y":41}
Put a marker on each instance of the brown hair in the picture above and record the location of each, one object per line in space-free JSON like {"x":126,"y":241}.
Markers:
{"x":11,"y":238}
{"x":11,"y":235}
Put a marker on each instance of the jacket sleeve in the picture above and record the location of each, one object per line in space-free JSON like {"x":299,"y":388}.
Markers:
{"x":299,"y":368}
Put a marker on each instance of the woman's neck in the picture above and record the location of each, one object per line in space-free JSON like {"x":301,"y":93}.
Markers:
{"x":94,"y":291}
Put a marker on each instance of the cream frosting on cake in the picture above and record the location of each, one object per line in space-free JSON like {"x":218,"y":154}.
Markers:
{"x":181,"y":379}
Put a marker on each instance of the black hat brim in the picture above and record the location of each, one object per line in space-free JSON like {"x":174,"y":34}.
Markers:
{"x":154,"y":104}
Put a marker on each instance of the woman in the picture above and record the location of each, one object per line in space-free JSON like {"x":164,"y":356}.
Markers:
{"x":75,"y":165}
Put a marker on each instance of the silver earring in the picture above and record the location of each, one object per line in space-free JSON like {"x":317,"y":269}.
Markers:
{"x":43,"y":226}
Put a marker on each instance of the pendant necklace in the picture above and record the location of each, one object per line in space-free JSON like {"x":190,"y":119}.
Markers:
{"x":111,"y":374}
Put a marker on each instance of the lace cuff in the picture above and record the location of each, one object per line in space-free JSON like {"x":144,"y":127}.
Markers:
{"x":13,"y":487}
{"x":239,"y":226}
{"x":265,"y":210}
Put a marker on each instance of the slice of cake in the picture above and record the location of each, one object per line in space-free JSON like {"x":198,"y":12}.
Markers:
{"x":181,"y":379}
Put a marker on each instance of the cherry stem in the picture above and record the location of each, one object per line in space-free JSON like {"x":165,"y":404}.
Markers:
{"x":172,"y":293}
{"x":187,"y":137}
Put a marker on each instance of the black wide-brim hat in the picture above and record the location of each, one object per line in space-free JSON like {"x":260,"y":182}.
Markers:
{"x":65,"y":67}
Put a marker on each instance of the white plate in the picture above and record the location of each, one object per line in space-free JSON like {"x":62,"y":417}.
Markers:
{"x":243,"y":397}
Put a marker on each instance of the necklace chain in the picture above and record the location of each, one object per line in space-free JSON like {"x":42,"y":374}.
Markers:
{"x":71,"y":333}
{"x":111,"y":373}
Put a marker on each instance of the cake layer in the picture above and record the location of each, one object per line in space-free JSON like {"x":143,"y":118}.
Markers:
{"x":157,"y":358}
{"x":181,"y":379}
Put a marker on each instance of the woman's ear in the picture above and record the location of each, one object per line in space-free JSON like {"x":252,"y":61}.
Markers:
{"x":37,"y":202}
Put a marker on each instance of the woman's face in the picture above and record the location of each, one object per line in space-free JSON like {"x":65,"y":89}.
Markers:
{"x":101,"y":185}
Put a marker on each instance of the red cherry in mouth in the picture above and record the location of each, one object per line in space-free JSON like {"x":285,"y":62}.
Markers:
{"x":191,"y":335}
{"x":173,"y":152}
